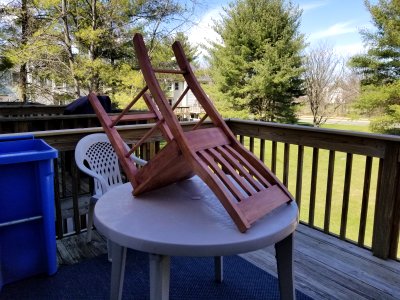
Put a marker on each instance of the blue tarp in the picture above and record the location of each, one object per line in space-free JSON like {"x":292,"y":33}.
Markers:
{"x":82,"y":106}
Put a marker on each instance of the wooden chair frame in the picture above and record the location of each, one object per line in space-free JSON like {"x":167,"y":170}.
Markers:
{"x":245,"y":186}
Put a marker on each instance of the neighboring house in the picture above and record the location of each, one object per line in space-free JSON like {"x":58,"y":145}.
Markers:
{"x":336,"y":102}
{"x":8,"y":84}
{"x":41,"y":91}
{"x":337,"y":96}
{"x":189,"y":108}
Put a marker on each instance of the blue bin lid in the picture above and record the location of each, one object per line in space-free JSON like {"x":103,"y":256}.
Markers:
{"x":14,"y":137}
{"x":25,"y":150}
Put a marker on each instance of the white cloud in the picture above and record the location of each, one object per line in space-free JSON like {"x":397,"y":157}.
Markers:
{"x":313,"y":5}
{"x":348,"y":50}
{"x":334,"y":30}
{"x":6,"y":2}
{"x":203,"y":33}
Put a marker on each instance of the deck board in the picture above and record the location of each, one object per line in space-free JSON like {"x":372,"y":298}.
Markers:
{"x":328,"y":268}
{"x":73,"y":249}
{"x":325,"y":267}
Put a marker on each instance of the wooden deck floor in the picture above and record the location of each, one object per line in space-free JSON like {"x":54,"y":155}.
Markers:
{"x":325,"y":267}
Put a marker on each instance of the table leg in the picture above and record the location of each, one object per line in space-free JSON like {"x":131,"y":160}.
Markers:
{"x":159,"y":276}
{"x":219,"y":268}
{"x":109,"y":250}
{"x":117,"y":271}
{"x":284,"y":257}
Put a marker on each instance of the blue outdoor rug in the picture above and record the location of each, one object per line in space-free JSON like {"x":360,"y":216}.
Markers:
{"x":191,"y":278}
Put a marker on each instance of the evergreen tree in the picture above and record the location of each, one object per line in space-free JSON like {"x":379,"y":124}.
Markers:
{"x":380,"y":67}
{"x":161,"y":54}
{"x":258,"y":64}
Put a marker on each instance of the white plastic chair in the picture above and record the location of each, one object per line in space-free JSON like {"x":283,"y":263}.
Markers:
{"x":95,"y":156}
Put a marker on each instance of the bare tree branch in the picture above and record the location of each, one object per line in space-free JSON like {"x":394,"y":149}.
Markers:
{"x":322,"y":78}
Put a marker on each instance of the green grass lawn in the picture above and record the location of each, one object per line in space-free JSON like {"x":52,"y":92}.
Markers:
{"x":356,"y":190}
{"x":362,"y":128}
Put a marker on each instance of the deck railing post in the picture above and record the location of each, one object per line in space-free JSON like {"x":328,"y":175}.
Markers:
{"x":395,"y":235}
{"x":386,"y":202}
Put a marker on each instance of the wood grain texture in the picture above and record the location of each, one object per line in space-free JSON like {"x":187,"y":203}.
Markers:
{"x":329,"y":187}
{"x":198,"y":149}
{"x":265,"y":201}
{"x":226,"y":154}
{"x":330,"y":139}
{"x":299,"y":175}
{"x":128,"y":107}
{"x":201,"y":139}
{"x":313,"y":188}
{"x":135,"y":117}
{"x":386,"y":202}
{"x":365,"y":200}
{"x":115,"y":139}
{"x":250,"y":187}
{"x":346,"y":195}
{"x":209,"y":160}
{"x":166,"y":167}
{"x":328,"y":268}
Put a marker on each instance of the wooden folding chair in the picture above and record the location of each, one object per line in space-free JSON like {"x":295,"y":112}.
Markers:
{"x":245,"y":186}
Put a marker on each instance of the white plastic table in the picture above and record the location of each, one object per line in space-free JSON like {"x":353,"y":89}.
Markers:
{"x":186,"y":219}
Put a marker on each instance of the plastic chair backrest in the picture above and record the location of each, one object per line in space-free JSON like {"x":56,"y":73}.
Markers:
{"x":95,"y":156}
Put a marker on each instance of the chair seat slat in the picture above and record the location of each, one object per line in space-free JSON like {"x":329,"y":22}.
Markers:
{"x":248,"y":166}
{"x":240,"y":180}
{"x":221,"y":175}
{"x":242,"y":171}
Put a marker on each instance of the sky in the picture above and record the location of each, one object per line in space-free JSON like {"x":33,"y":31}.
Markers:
{"x":333,"y":22}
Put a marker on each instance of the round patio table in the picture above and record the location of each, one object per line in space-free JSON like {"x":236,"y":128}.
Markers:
{"x":187,"y":219}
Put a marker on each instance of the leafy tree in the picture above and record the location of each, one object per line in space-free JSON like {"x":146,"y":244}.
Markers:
{"x":88,"y":44}
{"x":384,"y":102}
{"x":380,"y":66}
{"x":162,"y":57}
{"x":258,"y":64}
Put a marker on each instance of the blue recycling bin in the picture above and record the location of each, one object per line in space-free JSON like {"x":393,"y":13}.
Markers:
{"x":27,"y":227}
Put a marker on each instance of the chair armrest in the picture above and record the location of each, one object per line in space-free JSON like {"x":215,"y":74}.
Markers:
{"x":103,"y":183}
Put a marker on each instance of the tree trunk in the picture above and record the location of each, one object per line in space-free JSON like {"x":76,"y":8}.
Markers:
{"x":23,"y":70}
{"x":67,"y":41}
{"x":94,"y":80}
{"x":23,"y":83}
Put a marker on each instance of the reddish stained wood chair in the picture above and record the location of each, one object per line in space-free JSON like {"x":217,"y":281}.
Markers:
{"x":245,"y":186}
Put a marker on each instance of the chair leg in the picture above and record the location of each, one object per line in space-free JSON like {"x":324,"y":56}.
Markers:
{"x":90,"y":222}
{"x":284,"y":257}
{"x":219,"y":268}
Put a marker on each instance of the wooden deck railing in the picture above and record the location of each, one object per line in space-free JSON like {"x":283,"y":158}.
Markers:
{"x":344,"y":182}
{"x":21,"y":110}
{"x":328,"y":194}
{"x":28,"y":123}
